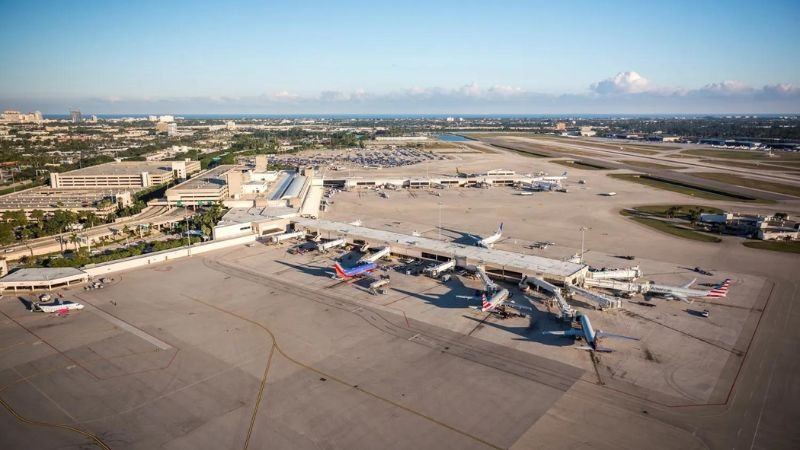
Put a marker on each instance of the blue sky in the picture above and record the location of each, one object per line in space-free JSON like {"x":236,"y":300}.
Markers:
{"x":404,"y":57}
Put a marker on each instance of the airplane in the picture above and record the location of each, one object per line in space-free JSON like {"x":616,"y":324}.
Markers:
{"x":489,"y":241}
{"x":59,"y":307}
{"x":562,"y":177}
{"x":683,"y":293}
{"x":362,"y":270}
{"x":590,"y":336}
{"x":525,"y":193}
{"x":496,"y":304}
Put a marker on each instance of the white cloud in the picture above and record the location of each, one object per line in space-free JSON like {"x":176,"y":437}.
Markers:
{"x":626,"y":92}
{"x":728,"y":87}
{"x":623,"y":83}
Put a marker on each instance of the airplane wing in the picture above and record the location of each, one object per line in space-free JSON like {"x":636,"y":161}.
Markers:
{"x":683,"y":298}
{"x":687,"y":285}
{"x":598,"y":349}
{"x":572,"y":332}
{"x":615,"y":336}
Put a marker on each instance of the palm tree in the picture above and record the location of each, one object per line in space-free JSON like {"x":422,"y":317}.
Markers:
{"x":75,"y":239}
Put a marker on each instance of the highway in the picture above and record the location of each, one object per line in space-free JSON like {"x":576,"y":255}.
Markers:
{"x":151,"y":215}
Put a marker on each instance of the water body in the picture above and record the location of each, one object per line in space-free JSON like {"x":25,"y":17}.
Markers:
{"x":451,"y":138}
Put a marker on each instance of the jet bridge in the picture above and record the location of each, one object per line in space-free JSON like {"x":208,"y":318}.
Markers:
{"x":488,"y":284}
{"x":438,"y":269}
{"x":324,"y":246}
{"x":565,"y":311}
{"x":630,"y":273}
{"x":619,"y":286}
{"x":602,"y":301}
{"x":371,"y":258}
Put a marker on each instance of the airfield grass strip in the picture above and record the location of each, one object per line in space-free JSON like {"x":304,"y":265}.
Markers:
{"x":681,"y":188}
{"x":583,"y":165}
{"x":775,"y":246}
{"x":669,"y":228}
{"x":753,"y":183}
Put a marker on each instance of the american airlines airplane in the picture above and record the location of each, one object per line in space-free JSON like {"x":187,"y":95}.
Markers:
{"x":590,"y":336}
{"x":683,"y":293}
{"x":496,"y":304}
{"x":59,"y":307}
{"x":489,"y":241}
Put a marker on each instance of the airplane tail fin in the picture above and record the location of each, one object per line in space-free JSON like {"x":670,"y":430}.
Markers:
{"x":720,"y":290}
{"x":564,"y":174}
{"x":485,"y":305}
{"x":500,"y":229}
{"x":339,"y":271}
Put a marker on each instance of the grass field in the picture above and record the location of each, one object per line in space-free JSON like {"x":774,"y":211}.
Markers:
{"x":649,"y":165}
{"x":682,"y":210}
{"x":579,"y":165}
{"x":693,"y":191}
{"x":669,"y":228}
{"x":739,"y":180}
{"x":775,"y":246}
{"x":742,"y":154}
{"x":753,"y":165}
{"x":524,"y":152}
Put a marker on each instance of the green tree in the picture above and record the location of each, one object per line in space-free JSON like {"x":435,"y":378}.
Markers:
{"x":38,"y":216}
{"x":6,"y":233}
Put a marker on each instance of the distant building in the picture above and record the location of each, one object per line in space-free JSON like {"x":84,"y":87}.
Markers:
{"x":754,"y":226}
{"x":587,"y":131}
{"x":18,"y":117}
{"x":166,"y":118}
{"x":561,"y":126}
{"x":126,"y":174}
{"x":76,"y":116}
{"x":230,"y":125}
{"x":168,"y":128}
{"x":152,"y":118}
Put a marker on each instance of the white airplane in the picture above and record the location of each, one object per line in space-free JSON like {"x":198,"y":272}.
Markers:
{"x":496,"y":304}
{"x":489,"y":241}
{"x":683,"y":293}
{"x":589,"y":335}
{"x":59,"y":307}
{"x":525,"y":193}
{"x":552,"y":179}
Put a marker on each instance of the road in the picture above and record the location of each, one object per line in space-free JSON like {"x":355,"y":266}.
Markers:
{"x":50,"y":244}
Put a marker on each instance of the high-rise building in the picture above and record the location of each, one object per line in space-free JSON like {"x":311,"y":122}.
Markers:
{"x":18,"y":117}
{"x":76,"y":116}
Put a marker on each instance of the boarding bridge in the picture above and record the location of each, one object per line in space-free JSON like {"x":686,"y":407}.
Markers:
{"x":287,"y":236}
{"x":487,"y":282}
{"x":565,"y":311}
{"x":330,"y":244}
{"x":602,"y":301}
{"x":375,"y":286}
{"x":630,"y":273}
{"x":614,"y":285}
{"x":385,"y":251}
{"x":438,"y":269}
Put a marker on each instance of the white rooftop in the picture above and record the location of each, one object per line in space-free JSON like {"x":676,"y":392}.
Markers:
{"x":529,"y":264}
{"x":256,"y":214}
{"x":42,"y":274}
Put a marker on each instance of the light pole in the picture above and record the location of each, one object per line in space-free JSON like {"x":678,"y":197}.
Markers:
{"x":583,"y":232}
{"x":440,"y":221}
